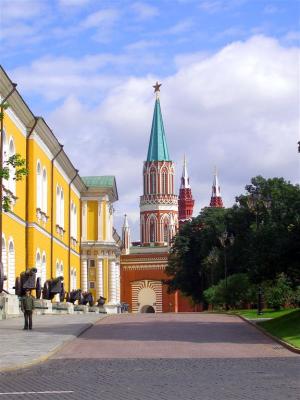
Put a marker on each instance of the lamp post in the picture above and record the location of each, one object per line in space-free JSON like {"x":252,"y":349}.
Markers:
{"x":226,"y":240}
{"x":254,"y":200}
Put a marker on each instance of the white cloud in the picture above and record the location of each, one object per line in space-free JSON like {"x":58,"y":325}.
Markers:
{"x":144,"y":10}
{"x":237,"y":108}
{"x":20,"y":10}
{"x":101,"y":17}
{"x":73,"y":3}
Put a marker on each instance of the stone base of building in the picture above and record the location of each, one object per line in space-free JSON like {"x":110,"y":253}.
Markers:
{"x":9,"y":306}
{"x":112,"y":308}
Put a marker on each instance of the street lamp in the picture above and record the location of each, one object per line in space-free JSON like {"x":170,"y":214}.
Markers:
{"x":226,"y":240}
{"x":253,"y":201}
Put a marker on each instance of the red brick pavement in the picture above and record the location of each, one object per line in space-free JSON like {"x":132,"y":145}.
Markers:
{"x":172,"y":336}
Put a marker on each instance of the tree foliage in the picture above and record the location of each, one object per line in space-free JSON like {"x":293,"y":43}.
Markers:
{"x":14,"y":163}
{"x":267,"y":240}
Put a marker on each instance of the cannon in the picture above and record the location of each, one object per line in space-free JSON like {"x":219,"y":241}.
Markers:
{"x":52,"y":287}
{"x":28,"y":281}
{"x":101,"y":301}
{"x":87,"y":299}
{"x":3,"y":278}
{"x":75,"y":295}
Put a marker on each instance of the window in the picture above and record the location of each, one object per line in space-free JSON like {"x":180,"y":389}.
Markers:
{"x":44,"y":191}
{"x":164,"y":182}
{"x":62,"y":209}
{"x":11,"y":267}
{"x":38,"y":185}
{"x":12,"y":170}
{"x":152,"y":231}
{"x":166,"y":232}
{"x":152,"y":181}
{"x":38,"y":265}
{"x":92,"y":285}
{"x":57,"y":205}
{"x":75,"y":222}
{"x":5,"y":157}
{"x":44,"y":269}
{"x":4,"y":260}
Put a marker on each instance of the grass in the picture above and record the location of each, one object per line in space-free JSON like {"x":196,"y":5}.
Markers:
{"x":285,"y":327}
{"x":252,"y":314}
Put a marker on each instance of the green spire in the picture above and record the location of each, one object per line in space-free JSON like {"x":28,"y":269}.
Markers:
{"x":158,"y":149}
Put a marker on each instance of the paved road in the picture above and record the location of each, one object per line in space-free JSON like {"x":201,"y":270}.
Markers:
{"x":163,"y":357}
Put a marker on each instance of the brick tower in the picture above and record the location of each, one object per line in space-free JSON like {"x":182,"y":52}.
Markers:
{"x":158,"y":204}
{"x":216,"y":199}
{"x":185,"y":199}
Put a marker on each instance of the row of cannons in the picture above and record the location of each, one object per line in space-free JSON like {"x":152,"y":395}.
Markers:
{"x":51,"y":288}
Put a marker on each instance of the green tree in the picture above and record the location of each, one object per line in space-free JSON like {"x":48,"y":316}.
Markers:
{"x":15,"y":163}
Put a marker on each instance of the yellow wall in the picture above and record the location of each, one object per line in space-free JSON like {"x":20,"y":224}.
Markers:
{"x":39,"y":231}
{"x":92,"y":220}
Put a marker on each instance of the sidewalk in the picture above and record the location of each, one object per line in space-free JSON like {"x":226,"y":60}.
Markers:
{"x":19,"y":348}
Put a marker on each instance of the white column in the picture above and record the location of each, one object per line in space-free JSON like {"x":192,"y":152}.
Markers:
{"x":118,"y":282}
{"x":112,"y":283}
{"x":84,"y":220}
{"x":99,"y":290}
{"x":100,"y":227}
{"x":84,"y":277}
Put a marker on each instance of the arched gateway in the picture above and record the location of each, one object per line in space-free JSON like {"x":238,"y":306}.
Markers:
{"x":146,"y":296}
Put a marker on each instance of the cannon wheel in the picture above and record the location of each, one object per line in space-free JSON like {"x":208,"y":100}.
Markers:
{"x":38,"y":288}
{"x":2,"y":277}
{"x":18,"y":287}
{"x":62,"y":293}
{"x":46,"y":291}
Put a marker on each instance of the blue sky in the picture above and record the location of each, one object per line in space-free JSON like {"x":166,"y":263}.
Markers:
{"x":230,"y":82}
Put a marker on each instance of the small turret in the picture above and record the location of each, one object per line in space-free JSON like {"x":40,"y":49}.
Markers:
{"x":126,"y":243}
{"x":216,"y":199}
{"x":185,"y":199}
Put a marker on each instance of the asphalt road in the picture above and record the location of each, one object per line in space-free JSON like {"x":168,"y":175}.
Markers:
{"x":163,"y":357}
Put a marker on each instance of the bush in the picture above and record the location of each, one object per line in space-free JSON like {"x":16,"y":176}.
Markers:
{"x":239,"y":291}
{"x":278,"y":293}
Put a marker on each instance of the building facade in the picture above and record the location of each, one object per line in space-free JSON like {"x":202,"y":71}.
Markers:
{"x":43,"y":228}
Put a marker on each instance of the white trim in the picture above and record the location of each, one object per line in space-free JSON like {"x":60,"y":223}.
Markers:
{"x":75,"y":253}
{"x":75,"y":191}
{"x":39,"y":229}
{"x":159,"y":207}
{"x":60,"y":243}
{"x":36,"y":138}
{"x":61,"y":171}
{"x":15,"y":218}
{"x":16,"y":121}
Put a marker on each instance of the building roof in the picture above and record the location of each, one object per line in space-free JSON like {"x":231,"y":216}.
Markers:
{"x":103,"y":183}
{"x":158,"y":149}
{"x":99,"y":181}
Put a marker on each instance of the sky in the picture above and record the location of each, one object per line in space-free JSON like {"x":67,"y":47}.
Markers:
{"x":229,"y":97}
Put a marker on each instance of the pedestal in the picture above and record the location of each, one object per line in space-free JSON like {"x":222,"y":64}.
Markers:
{"x":112,"y":308}
{"x":9,"y":306}
{"x":80,"y":308}
{"x":42,"y":306}
{"x":63,"y":308}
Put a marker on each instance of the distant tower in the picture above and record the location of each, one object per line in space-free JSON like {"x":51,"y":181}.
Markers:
{"x":216,"y":199}
{"x":185,"y":199}
{"x":159,"y":203}
{"x":126,"y":236}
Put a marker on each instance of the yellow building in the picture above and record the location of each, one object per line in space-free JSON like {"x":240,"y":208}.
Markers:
{"x":44,"y":226}
{"x":100,"y":253}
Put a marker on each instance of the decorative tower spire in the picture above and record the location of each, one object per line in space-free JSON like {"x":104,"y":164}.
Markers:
{"x":158,"y":149}
{"x":126,"y":236}
{"x":159,"y":203}
{"x":185,"y":199}
{"x":216,"y":199}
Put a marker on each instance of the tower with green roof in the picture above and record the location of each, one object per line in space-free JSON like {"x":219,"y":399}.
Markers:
{"x":158,"y":204}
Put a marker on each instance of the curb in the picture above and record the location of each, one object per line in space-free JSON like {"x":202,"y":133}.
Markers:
{"x":51,"y":353}
{"x":270,"y":336}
